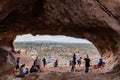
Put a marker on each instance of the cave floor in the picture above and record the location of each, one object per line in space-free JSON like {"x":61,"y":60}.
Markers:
{"x":60,"y":73}
{"x":63,"y":73}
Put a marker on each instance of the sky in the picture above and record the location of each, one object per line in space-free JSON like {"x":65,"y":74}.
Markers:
{"x":57,"y":38}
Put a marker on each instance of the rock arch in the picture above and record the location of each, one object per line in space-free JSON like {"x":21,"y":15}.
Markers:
{"x":95,"y":20}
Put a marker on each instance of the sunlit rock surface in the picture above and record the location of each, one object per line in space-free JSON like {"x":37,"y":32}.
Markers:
{"x":95,"y":20}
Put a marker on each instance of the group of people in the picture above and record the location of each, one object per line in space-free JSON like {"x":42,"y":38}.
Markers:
{"x":36,"y":67}
{"x":87,"y":63}
{"x":22,"y":70}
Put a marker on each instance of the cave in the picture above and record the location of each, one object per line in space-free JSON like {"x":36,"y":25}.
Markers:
{"x":95,"y":20}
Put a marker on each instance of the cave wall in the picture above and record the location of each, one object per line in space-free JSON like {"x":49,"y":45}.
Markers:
{"x":7,"y":61}
{"x":95,"y":20}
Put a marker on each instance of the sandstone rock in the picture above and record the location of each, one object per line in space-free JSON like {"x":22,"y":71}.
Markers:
{"x":95,"y":20}
{"x":6,"y":62}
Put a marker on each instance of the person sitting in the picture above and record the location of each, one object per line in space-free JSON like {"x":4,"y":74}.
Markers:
{"x":23,"y":71}
{"x":100,"y":63}
{"x":33,"y":69}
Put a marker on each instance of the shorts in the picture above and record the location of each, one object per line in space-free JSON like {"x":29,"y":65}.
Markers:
{"x":99,"y":66}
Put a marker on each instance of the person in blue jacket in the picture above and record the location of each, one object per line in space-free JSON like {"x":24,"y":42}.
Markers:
{"x":100,"y":62}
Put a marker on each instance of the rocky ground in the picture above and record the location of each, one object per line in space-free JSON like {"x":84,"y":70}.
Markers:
{"x":62,"y":72}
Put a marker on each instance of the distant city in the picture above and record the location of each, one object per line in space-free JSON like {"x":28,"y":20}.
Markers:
{"x":48,"y":42}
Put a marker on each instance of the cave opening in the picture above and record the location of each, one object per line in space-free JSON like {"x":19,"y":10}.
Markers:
{"x":57,"y":47}
{"x":94,"y":20}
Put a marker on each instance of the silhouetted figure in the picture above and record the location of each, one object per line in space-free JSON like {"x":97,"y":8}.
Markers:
{"x":74,"y":59}
{"x":56,"y":64}
{"x":17,"y":63}
{"x":44,"y":62}
{"x":37,"y":63}
{"x":79,"y":61}
{"x":33,"y":69}
{"x":73,"y":63}
{"x":87,"y":64}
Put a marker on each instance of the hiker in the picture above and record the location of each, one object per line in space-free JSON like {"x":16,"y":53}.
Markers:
{"x":56,"y":64}
{"x":100,"y":64}
{"x":79,"y":61}
{"x":73,"y":63}
{"x":87,"y":64}
{"x":33,"y":68}
{"x":23,"y":70}
{"x":17,"y":63}
{"x":44,"y":62}
{"x":70,"y":63}
{"x":37,"y":63}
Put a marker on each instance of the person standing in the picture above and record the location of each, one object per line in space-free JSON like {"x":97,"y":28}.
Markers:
{"x":44,"y":62}
{"x":79,"y":61}
{"x":17,"y":63}
{"x":37,"y":63}
{"x":87,"y":64}
{"x":70,"y":63}
{"x":56,"y":64}
{"x":73,"y":63}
